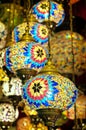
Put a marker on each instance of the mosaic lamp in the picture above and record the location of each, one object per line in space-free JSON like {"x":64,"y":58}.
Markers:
{"x":25,"y":55}
{"x":8,"y":114}
{"x":50,"y":93}
{"x":13,"y":89}
{"x":40,"y":12}
{"x":67,"y":50}
{"x":38,"y":31}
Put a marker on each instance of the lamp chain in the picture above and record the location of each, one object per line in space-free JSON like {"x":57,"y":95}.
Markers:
{"x":27,"y":5}
{"x":49,"y":31}
{"x":73,"y":74}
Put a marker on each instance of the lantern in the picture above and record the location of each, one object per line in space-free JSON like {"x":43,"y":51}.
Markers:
{"x":40,"y":12}
{"x":49,"y":90}
{"x":66,"y":53}
{"x":8,"y":114}
{"x":25,"y":55}
{"x":38,"y":31}
{"x":49,"y":93}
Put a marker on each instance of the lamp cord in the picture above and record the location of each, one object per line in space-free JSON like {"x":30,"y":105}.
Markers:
{"x":27,"y":5}
{"x":49,"y":31}
{"x":73,"y":74}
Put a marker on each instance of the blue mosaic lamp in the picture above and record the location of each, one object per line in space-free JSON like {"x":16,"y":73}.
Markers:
{"x":38,"y":31}
{"x":40,"y":11}
{"x":25,"y":54}
{"x":50,"y":90}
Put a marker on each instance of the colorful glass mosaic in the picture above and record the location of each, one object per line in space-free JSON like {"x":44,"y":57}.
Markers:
{"x":66,"y":53}
{"x":25,"y":55}
{"x":3,"y":35}
{"x":80,"y":109}
{"x":8,"y":113}
{"x":48,"y":91}
{"x":38,"y":31}
{"x":41,"y":12}
{"x":12,"y":87}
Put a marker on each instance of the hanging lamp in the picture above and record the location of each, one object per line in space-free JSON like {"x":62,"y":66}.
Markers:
{"x":8,"y":114}
{"x":64,"y":59}
{"x":38,"y":31}
{"x":40,"y":12}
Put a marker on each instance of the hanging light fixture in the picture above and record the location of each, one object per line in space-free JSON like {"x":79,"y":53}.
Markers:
{"x":50,"y":93}
{"x":25,"y":55}
{"x":40,"y":12}
{"x":8,"y":114}
{"x":3,"y":35}
{"x":50,"y":90}
{"x":38,"y":31}
{"x":64,"y":59}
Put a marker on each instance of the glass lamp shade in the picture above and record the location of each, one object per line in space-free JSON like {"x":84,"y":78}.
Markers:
{"x":40,"y":11}
{"x":23,"y":54}
{"x":3,"y":35}
{"x":12,"y":87}
{"x":38,"y":31}
{"x":49,"y":90}
{"x":65,"y":54}
{"x":8,"y":113}
{"x":80,"y":109}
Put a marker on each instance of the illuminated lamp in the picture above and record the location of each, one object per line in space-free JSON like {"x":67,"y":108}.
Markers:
{"x":40,"y":12}
{"x":38,"y":31}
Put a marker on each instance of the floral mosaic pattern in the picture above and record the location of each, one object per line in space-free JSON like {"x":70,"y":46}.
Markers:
{"x":25,"y":55}
{"x":50,"y":91}
{"x":38,"y":31}
{"x":41,"y":12}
